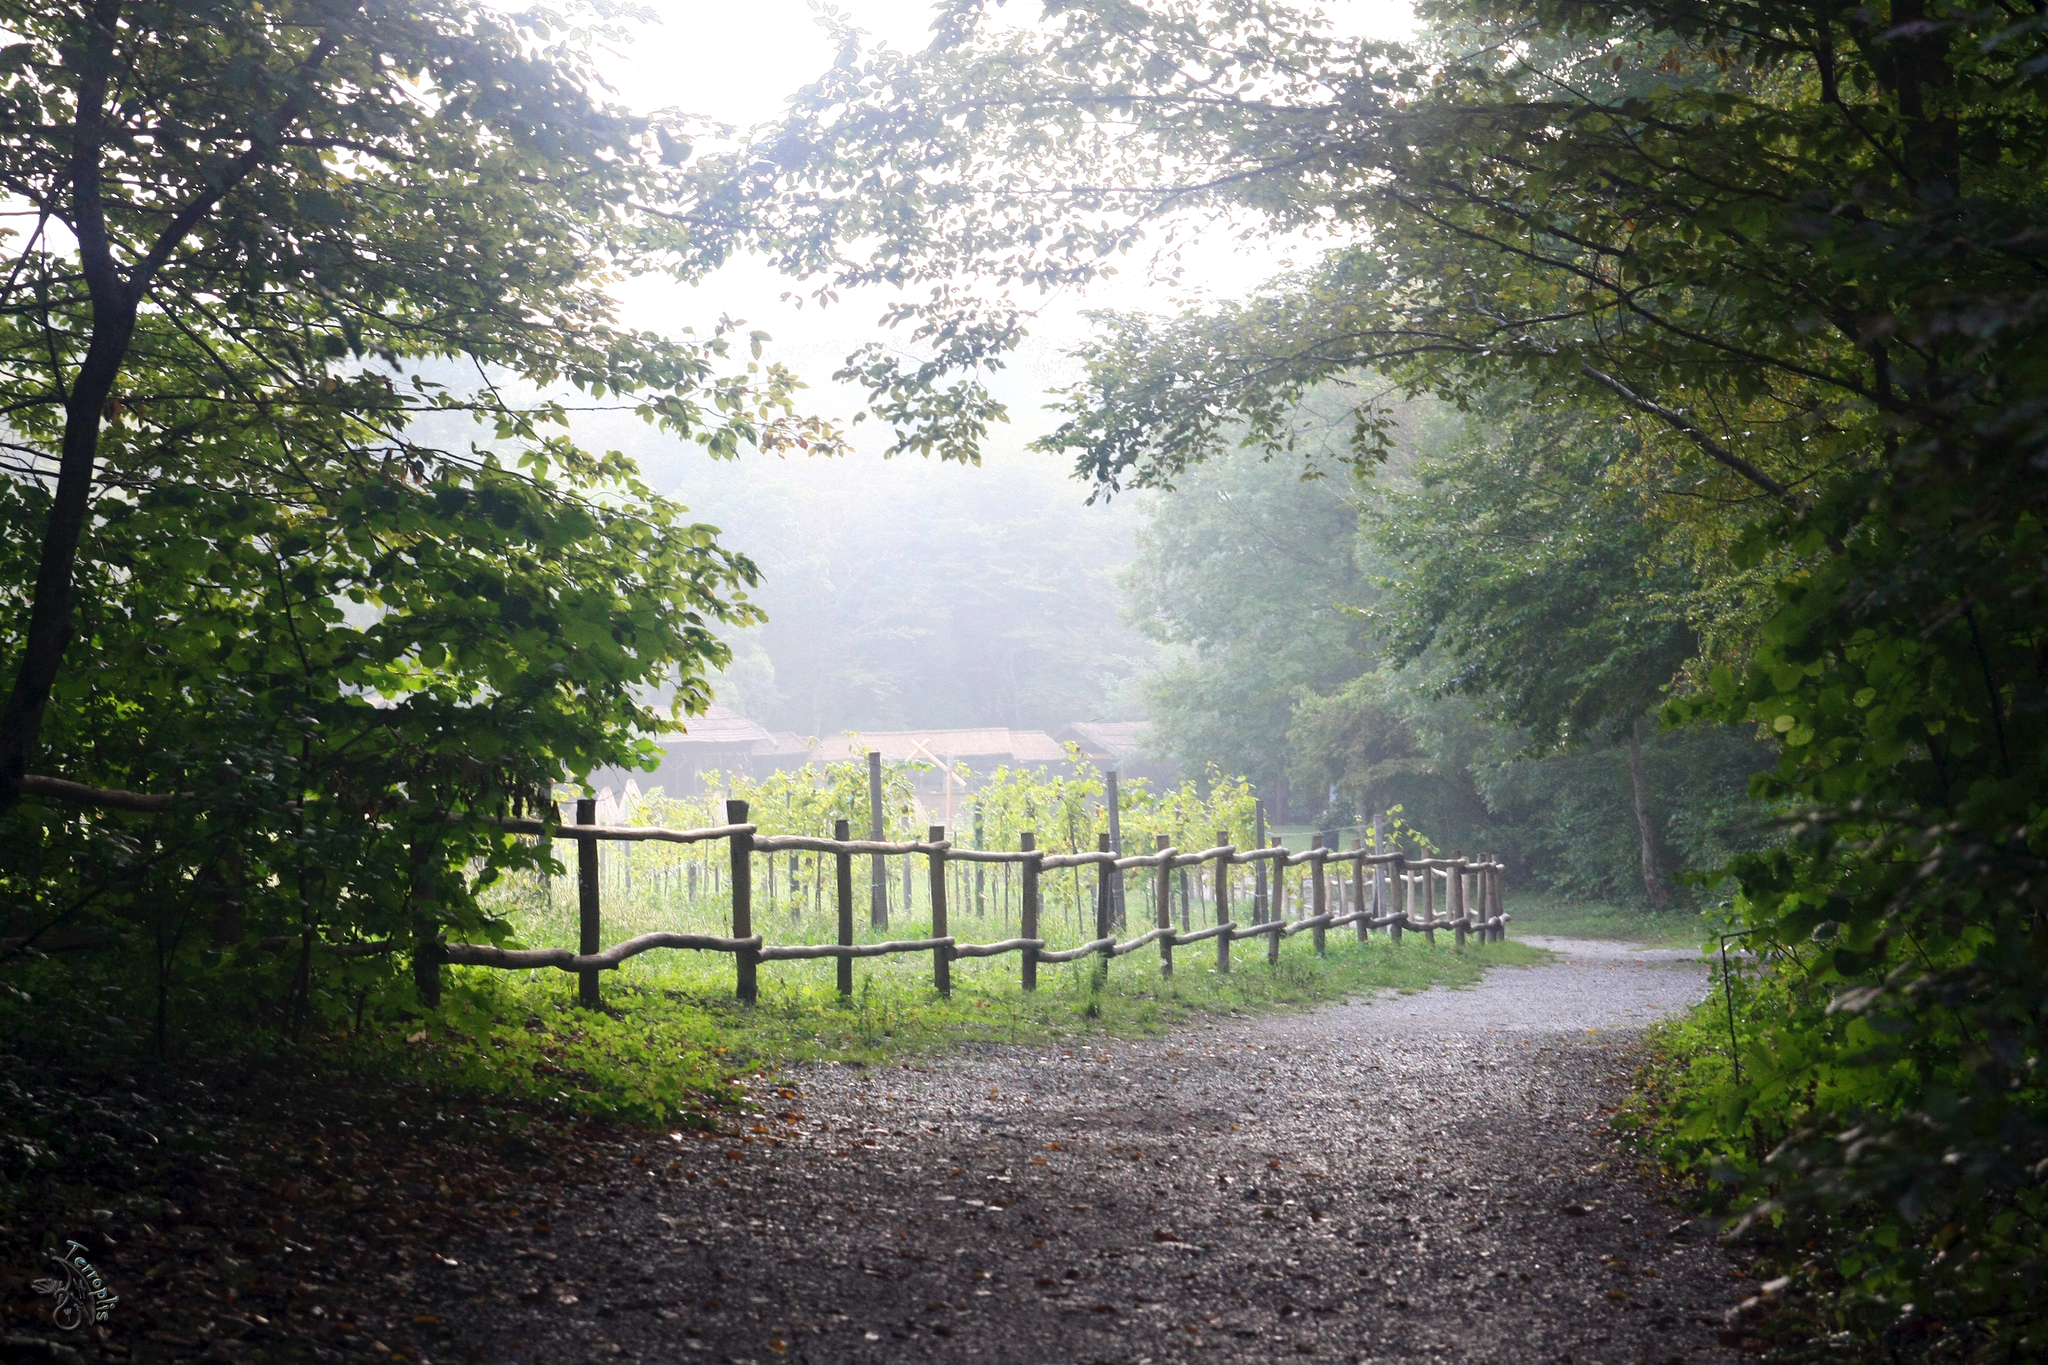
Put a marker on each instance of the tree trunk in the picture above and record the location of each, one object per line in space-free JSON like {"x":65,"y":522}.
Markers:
{"x":115,"y":297}
{"x":49,"y":620}
{"x":1654,"y":880}
{"x":113,"y":326}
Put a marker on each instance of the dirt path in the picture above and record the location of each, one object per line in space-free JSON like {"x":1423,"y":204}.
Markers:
{"x":1416,"y":1178}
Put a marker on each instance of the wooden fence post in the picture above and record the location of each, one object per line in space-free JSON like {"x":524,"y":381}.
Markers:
{"x":1429,"y":902}
{"x":1454,"y":894}
{"x":1116,"y":845}
{"x":1482,"y":886}
{"x":1105,"y":902}
{"x":980,"y":885}
{"x":878,"y":896}
{"x":1482,"y":889}
{"x":1279,"y":908}
{"x":744,"y":961}
{"x":1500,"y":908}
{"x":1223,"y":901}
{"x":1165,"y":909}
{"x":842,"y":861}
{"x":1398,"y":870}
{"x":1467,"y":891}
{"x":1319,"y":893}
{"x":589,"y":936}
{"x":1028,"y":841}
{"x":1359,"y":906}
{"x":1259,"y":901}
{"x":942,"y":962}
{"x":1379,"y":875}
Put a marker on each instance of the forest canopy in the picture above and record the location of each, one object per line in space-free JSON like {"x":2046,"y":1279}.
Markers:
{"x":297,"y":302}
{"x":1740,"y":301}
{"x":1786,"y":260}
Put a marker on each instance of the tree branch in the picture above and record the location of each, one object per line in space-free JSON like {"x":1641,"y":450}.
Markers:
{"x":1685,"y":426}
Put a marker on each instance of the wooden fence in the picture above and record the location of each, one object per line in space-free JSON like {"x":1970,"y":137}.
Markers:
{"x":1388,"y":899}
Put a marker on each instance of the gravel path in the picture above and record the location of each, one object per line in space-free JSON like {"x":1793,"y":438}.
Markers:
{"x":1412,"y":1178}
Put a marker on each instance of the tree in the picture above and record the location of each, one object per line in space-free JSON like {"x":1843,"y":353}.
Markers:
{"x":1545,"y":583}
{"x":1800,"y":244}
{"x":1361,"y":740}
{"x":1249,"y":577}
{"x":251,"y":227}
{"x":295,"y":544}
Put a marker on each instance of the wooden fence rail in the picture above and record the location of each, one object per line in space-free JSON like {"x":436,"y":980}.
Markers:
{"x":1472,"y":903}
{"x":1472,"y":899}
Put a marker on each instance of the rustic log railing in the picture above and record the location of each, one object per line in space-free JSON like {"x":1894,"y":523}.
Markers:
{"x":1472,"y":902}
{"x":1386,"y":899}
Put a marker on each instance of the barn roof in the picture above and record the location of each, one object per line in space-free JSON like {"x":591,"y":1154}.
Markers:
{"x":981,"y":746}
{"x":720,"y":725}
{"x":1111,"y":738}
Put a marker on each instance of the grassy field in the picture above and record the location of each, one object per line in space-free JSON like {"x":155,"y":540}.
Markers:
{"x":1535,"y":913}
{"x":672,"y":1042}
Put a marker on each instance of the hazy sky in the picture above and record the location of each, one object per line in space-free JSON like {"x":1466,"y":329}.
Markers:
{"x":737,"y":64}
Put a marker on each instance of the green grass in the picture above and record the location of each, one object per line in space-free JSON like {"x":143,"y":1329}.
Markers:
{"x":671,"y":1042}
{"x":1538,"y":913}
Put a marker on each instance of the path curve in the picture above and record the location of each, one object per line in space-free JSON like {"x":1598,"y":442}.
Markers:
{"x":1420,"y":1177}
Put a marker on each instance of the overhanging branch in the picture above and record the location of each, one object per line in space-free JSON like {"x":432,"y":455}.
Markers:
{"x":1685,"y":426}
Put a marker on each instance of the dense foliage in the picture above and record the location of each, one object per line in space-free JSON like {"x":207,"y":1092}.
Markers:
{"x":1248,"y":580}
{"x":288,"y":522}
{"x":1796,"y":248}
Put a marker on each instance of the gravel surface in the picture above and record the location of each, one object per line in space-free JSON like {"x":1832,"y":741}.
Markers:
{"x":1412,"y":1178}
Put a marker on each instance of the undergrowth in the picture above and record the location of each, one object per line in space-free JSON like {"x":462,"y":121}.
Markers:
{"x":1566,"y":917}
{"x":670,"y":1042}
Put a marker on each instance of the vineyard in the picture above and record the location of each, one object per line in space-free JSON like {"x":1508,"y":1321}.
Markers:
{"x":1065,"y":812}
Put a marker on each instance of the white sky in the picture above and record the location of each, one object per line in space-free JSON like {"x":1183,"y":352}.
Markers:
{"x":737,"y":64}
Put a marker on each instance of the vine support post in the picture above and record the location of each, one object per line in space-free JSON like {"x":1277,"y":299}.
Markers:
{"x":1028,"y":841}
{"x":842,"y":865}
{"x":590,"y":936}
{"x":980,"y":884}
{"x":1319,"y":893}
{"x":942,"y":957}
{"x":1165,"y":888}
{"x":745,"y":961}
